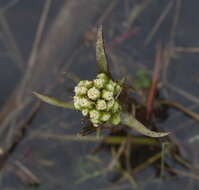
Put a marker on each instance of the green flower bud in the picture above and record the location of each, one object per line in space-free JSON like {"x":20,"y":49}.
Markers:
{"x":95,"y":122}
{"x":93,"y":93}
{"x":85,"y":112}
{"x":94,"y":114}
{"x":85,"y":83}
{"x":110,"y":86}
{"x":107,"y":95}
{"x":85,"y":103}
{"x":101,"y":104}
{"x":77,"y":106}
{"x":81,"y":83}
{"x":115,"y":119}
{"x":105,"y":116}
{"x":102,"y":76}
{"x":80,"y":90}
{"x":88,"y":84}
{"x":115,"y":107}
{"x":99,"y":83}
{"x":76,"y":102}
{"x":76,"y":98}
{"x":110,"y":104}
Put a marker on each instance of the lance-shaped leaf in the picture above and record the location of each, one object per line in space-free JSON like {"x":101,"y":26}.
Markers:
{"x":54,"y":101}
{"x":131,"y":122}
{"x":100,"y":53}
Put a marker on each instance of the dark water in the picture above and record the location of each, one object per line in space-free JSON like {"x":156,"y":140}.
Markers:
{"x":57,"y":163}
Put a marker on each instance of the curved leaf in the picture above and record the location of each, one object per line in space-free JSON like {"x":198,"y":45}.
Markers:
{"x":54,"y":101}
{"x":100,"y":53}
{"x":131,"y":122}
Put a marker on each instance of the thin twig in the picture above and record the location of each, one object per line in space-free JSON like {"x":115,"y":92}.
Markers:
{"x":11,"y":44}
{"x":26,"y":175}
{"x":186,"y":49}
{"x":175,"y":20}
{"x":158,"y":22}
{"x":183,"y":173}
{"x":117,"y":156}
{"x":8,"y":6}
{"x":123,"y":36}
{"x":171,"y":41}
{"x":183,"y":93}
{"x":155,"y":75}
{"x":147,"y":162}
{"x":35,"y":48}
{"x":186,"y":111}
{"x":107,"y":12}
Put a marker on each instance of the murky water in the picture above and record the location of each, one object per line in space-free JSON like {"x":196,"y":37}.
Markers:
{"x":59,"y":164}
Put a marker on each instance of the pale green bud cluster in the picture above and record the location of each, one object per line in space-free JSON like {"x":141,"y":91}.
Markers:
{"x":97,"y":100}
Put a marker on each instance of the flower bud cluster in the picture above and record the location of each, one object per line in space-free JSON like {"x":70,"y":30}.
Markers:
{"x":97,"y":100}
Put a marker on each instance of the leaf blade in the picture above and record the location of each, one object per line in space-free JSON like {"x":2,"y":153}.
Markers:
{"x":131,"y":122}
{"x":102,"y":64}
{"x":54,"y":101}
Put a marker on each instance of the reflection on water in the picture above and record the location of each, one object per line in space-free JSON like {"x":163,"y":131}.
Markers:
{"x":60,"y":164}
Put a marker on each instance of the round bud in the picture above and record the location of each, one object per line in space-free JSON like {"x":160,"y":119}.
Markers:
{"x":88,"y":84}
{"x":99,"y":83}
{"x":81,"y":83}
{"x":94,"y":114}
{"x":115,"y":107}
{"x":76,"y":102}
{"x":80,"y":90}
{"x":85,"y":83}
{"x":95,"y":122}
{"x":105,"y":116}
{"x":76,"y":98}
{"x":115,"y":119}
{"x":85,"y":103}
{"x":101,"y":104}
{"x":107,"y":95}
{"x":93,"y":93}
{"x":85,"y":112}
{"x":110,"y":104}
{"x":77,"y":106}
{"x":102,"y":76}
{"x":109,"y":87}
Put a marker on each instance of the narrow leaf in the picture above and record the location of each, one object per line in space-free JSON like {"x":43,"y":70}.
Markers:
{"x":54,"y":101}
{"x":100,"y":53}
{"x":131,"y":122}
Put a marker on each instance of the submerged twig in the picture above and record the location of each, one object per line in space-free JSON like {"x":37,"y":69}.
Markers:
{"x":105,"y":139}
{"x":11,"y":44}
{"x":158,"y":22}
{"x":155,"y":75}
{"x":35,"y":47}
{"x":181,"y":108}
{"x":26,"y":175}
{"x":118,"y":154}
{"x":147,"y":162}
{"x":183,"y":93}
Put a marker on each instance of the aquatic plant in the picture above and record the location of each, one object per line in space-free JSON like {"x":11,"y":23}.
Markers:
{"x":98,"y":100}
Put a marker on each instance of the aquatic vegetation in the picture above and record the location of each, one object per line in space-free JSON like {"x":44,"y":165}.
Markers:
{"x":99,"y":99}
